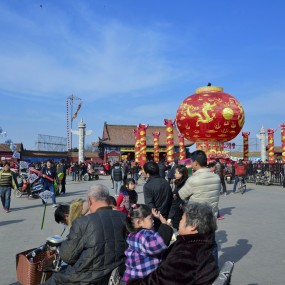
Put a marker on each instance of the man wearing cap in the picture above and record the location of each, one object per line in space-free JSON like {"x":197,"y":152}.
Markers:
{"x":6,"y":183}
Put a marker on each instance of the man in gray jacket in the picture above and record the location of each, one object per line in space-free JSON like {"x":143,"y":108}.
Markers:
{"x":203,"y":186}
{"x":95,"y":244}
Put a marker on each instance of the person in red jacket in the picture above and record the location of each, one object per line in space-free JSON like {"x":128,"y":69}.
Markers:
{"x":128,"y":196}
{"x":240,"y":171}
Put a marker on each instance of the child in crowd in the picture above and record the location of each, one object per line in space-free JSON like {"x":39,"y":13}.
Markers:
{"x":145,"y":245}
{"x":112,"y":202}
{"x":127,"y":196}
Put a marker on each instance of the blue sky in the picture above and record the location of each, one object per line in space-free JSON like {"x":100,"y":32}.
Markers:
{"x":134,"y":61}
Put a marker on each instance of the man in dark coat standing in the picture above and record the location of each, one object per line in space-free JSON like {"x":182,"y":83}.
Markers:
{"x":157,"y":191}
{"x":162,"y":168}
{"x":95,"y":244}
{"x":62,"y":169}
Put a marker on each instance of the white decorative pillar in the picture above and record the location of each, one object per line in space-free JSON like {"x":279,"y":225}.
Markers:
{"x":262,"y":137}
{"x":81,"y":145}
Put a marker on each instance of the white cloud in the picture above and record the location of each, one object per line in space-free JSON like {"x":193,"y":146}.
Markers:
{"x":113,"y":59}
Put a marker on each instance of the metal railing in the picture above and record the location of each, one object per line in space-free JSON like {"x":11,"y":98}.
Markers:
{"x":274,"y":172}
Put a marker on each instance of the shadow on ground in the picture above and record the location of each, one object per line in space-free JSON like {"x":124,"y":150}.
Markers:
{"x":226,"y":211}
{"x":4,"y":223}
{"x":236,"y":252}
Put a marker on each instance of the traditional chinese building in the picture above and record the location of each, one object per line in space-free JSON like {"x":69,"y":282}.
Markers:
{"x":118,"y":142}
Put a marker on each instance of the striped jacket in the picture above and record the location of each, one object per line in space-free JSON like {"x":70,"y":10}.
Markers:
{"x":7,"y":179}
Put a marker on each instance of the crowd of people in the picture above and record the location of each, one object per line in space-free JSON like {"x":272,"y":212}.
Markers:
{"x":109,"y":235}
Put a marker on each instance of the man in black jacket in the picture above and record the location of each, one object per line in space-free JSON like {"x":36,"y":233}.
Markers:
{"x":49,"y":175}
{"x":162,"y":168}
{"x":117,"y":175}
{"x":95,"y":244}
{"x":157,"y":191}
{"x":62,"y":169}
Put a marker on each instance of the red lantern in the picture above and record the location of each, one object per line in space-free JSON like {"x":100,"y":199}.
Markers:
{"x":210,"y":115}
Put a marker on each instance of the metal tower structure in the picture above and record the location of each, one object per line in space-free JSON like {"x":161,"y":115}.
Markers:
{"x":70,"y":101}
{"x":51,"y":143}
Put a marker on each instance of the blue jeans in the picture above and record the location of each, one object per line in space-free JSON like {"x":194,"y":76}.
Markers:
{"x":5,"y":197}
{"x":236,"y":183}
{"x":117,"y":185}
{"x":136,"y":177}
{"x":49,"y":186}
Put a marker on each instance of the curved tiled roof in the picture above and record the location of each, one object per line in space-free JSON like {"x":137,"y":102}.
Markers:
{"x":123,"y":135}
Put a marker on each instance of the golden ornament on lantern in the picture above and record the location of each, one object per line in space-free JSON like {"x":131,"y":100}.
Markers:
{"x":210,"y":115}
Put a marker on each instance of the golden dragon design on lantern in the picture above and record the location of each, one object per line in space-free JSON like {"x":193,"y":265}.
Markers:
{"x":204,"y":117}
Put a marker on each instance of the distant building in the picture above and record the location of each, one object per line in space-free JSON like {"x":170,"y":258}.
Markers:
{"x":39,"y":155}
{"x":6,"y":153}
{"x":117,"y":142}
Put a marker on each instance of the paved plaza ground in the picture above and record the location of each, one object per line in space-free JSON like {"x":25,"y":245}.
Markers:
{"x":252,"y":233}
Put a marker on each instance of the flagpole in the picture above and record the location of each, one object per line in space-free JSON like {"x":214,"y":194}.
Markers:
{"x":71,"y":114}
{"x":71,"y":99}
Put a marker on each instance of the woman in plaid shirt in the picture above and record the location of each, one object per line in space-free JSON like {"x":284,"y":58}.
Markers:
{"x":145,"y":245}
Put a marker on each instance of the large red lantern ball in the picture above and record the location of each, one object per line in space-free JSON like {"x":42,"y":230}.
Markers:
{"x":210,"y":115}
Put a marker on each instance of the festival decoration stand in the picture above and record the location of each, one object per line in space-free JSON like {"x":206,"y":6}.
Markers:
{"x":156,"y":146}
{"x":271,"y":158}
{"x":45,"y":196}
{"x":182,"y":152}
{"x":142,"y":131}
{"x":214,"y":150}
{"x":137,"y":145}
{"x":245,"y":145}
{"x":169,"y":139}
{"x":282,"y":126}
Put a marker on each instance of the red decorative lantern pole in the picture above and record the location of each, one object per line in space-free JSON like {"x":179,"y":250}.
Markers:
{"x":137,"y":145}
{"x":282,"y":126}
{"x":182,"y":152}
{"x":271,"y":158}
{"x":156,"y":146}
{"x":169,"y":139}
{"x":142,"y":131}
{"x":245,"y":145}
